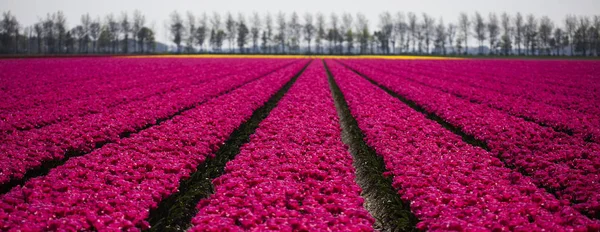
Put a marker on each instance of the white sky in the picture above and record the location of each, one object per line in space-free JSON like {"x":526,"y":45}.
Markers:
{"x":157,"y":12}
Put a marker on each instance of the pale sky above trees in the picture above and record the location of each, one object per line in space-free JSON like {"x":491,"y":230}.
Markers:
{"x":157,"y":11}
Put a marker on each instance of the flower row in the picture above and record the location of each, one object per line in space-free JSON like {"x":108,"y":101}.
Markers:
{"x":26,"y":150}
{"x":571,"y":85}
{"x":570,"y":170}
{"x":42,"y":81}
{"x":450,"y":184}
{"x":584,"y":126}
{"x":96,"y":97}
{"x":558,"y":78}
{"x":295,"y":174}
{"x":114,"y":188}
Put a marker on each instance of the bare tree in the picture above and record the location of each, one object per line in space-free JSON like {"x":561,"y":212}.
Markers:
{"x":493,"y":32}
{"x":395,"y":34}
{"x":60,"y":24}
{"x":212,"y":41}
{"x":126,"y":30}
{"x":440,"y":37}
{"x":582,"y":36}
{"x":86,"y":21}
{"x":138,"y":22}
{"x":79,"y":35}
{"x":413,"y":28}
{"x":464,"y":25}
{"x":557,"y":40}
{"x":104,"y":40}
{"x":458,"y":45}
{"x":595,"y":34}
{"x":519,"y":31}
{"x":49,"y":32}
{"x":530,"y":34}
{"x":386,"y":26}
{"x":570,"y":27}
{"x":372,"y":43}
{"x":400,"y":29}
{"x":379,"y":41}
{"x":17,"y":37}
{"x":320,"y":32}
{"x":231,"y":30}
{"x":216,"y":35}
{"x":309,"y":29}
{"x":215,"y":21}
{"x":451,"y":34}
{"x":545,"y":34}
{"x":479,"y":29}
{"x":281,"y":30}
{"x":70,"y":40}
{"x":95,"y":33}
{"x":295,"y":30}
{"x":255,"y":31}
{"x":177,"y":29}
{"x":112,"y":32}
{"x":264,"y":40}
{"x":242,"y":31}
{"x":219,"y":36}
{"x":420,"y":36}
{"x":202,"y":31}
{"x":349,"y":37}
{"x":362,"y":29}
{"x":428,"y":30}
{"x":38,"y":29}
{"x":9,"y":29}
{"x":346,"y":30}
{"x":29,"y":38}
{"x":505,"y":40}
{"x":191,"y":32}
{"x":268,"y":35}
{"x":333,"y":32}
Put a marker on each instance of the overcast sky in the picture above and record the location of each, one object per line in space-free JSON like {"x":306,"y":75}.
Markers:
{"x":157,"y":12}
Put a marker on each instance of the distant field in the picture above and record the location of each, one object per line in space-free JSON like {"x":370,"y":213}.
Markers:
{"x":282,"y":56}
{"x":299,"y":143}
{"x":296,"y":57}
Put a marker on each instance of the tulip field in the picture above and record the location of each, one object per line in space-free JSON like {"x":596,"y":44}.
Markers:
{"x":184,"y":143}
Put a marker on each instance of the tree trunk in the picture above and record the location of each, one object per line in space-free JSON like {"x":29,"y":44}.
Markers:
{"x":466,"y":45}
{"x":17,"y":43}
{"x":572,"y":45}
{"x":126,"y":46}
{"x":39,"y":41}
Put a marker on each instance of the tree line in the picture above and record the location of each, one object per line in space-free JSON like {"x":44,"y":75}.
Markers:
{"x":281,"y":33}
{"x":52,"y":36}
